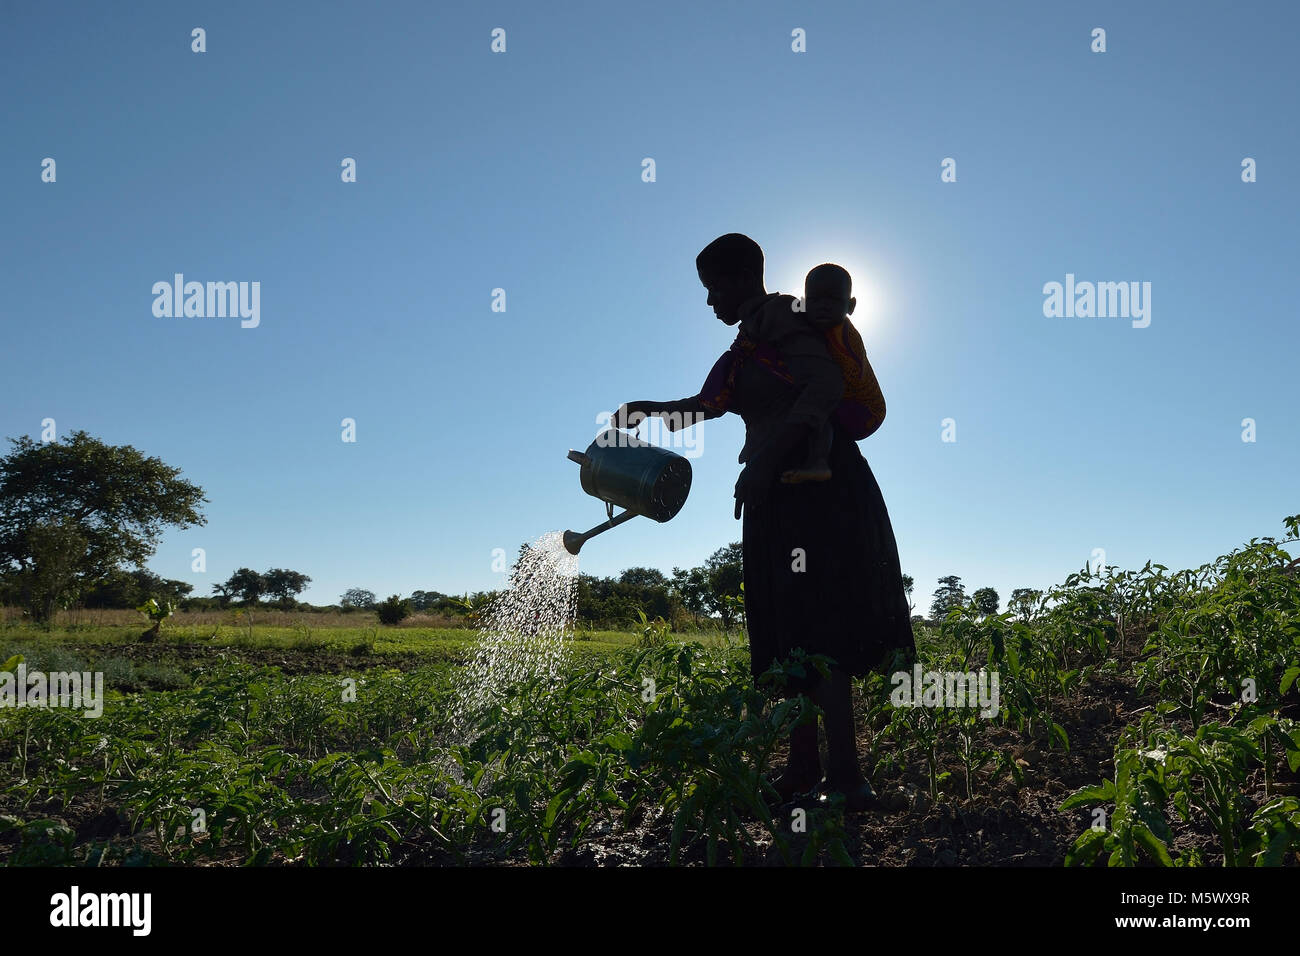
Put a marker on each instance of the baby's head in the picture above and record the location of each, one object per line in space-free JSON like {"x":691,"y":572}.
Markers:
{"x":828,"y":295}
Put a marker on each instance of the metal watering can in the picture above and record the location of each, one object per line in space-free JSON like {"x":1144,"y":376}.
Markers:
{"x":621,"y":469}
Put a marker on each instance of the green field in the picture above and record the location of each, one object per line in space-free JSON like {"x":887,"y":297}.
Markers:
{"x":386,"y":642}
{"x":1146,"y":718}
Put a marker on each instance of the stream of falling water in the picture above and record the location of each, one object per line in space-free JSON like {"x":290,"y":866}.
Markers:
{"x":523,"y":633}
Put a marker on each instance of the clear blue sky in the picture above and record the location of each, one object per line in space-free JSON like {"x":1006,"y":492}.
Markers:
{"x":523,"y":171}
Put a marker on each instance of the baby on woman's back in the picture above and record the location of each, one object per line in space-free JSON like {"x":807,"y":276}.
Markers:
{"x":828,"y":301}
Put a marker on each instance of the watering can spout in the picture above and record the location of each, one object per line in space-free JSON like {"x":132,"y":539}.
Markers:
{"x":573,"y":541}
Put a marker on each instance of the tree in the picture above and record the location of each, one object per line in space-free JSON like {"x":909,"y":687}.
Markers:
{"x":643,"y":578}
{"x":50,"y":581}
{"x":123,"y":589}
{"x":645,"y":590}
{"x":165,"y":588}
{"x":222,"y":592}
{"x":357,"y":598}
{"x":1023,"y":601}
{"x":908,"y":584}
{"x":247,"y":585}
{"x":986,"y":601}
{"x":285,"y":585}
{"x":724,"y":571}
{"x":393,"y":610}
{"x":423,"y":600}
{"x":948,"y":595}
{"x":692,"y":587}
{"x":111,"y":497}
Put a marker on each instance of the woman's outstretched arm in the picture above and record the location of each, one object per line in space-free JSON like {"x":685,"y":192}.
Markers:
{"x":676,"y":415}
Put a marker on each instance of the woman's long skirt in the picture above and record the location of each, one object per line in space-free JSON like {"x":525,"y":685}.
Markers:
{"x":822,"y":571}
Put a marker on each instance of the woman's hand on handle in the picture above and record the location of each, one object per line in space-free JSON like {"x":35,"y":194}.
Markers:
{"x":631,"y":414}
{"x":675,"y":415}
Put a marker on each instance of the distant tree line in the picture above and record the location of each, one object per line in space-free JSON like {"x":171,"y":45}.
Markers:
{"x":248,"y":586}
{"x":79,"y":519}
{"x":704,"y":597}
{"x":950,"y":595}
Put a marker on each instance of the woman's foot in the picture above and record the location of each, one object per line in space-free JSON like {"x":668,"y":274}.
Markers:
{"x":803,"y":764}
{"x":857,"y":793}
{"x":794,"y":781}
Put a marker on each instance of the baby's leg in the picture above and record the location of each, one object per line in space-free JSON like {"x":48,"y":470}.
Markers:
{"x":817,"y":467}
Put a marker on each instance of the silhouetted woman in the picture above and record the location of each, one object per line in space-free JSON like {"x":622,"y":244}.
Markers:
{"x":821,"y":564}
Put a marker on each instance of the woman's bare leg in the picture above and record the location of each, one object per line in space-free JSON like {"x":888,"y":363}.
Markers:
{"x":843,"y":774}
{"x":835,"y":697}
{"x":803,"y":768}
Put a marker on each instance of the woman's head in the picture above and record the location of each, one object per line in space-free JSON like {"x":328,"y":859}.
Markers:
{"x":731,"y":269}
